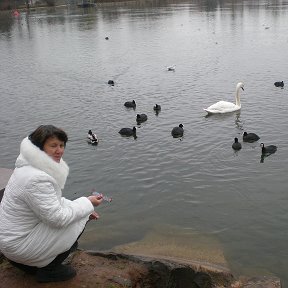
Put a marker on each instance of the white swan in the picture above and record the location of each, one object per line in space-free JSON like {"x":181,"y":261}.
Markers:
{"x":224,"y":106}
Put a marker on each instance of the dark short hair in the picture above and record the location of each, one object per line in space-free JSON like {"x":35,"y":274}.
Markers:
{"x":43,"y":132}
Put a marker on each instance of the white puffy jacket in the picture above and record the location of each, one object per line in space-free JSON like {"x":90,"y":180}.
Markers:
{"x":36,"y":222}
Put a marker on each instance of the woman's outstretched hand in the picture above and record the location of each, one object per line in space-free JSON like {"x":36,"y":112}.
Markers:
{"x":94,"y":216}
{"x":96,"y":200}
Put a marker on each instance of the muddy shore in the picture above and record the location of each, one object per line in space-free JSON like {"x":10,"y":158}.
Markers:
{"x":113,"y":270}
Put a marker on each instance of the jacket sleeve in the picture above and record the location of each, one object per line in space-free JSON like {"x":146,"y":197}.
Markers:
{"x":42,"y":199}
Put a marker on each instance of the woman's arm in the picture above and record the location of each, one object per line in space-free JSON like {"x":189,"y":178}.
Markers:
{"x":42,"y":199}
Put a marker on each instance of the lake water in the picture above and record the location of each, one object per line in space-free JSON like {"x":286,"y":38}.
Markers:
{"x":188,"y":193}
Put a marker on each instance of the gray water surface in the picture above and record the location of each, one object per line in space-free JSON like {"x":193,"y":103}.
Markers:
{"x":54,"y":69}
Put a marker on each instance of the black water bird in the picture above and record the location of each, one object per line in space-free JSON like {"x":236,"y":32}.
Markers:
{"x":236,"y":145}
{"x":177,"y":131}
{"x":111,"y":82}
{"x":250,"y":137}
{"x":279,"y":84}
{"x":128,"y":131}
{"x":268,"y":150}
{"x":157,"y":107}
{"x":141,"y":118}
{"x":130,"y":104}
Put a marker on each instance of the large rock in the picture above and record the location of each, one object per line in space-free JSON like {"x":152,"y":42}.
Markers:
{"x":163,"y":273}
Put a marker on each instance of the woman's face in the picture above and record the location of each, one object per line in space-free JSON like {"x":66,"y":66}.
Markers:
{"x":54,"y":148}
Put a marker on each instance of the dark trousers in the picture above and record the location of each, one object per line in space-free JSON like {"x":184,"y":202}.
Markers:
{"x":57,"y":261}
{"x":61,"y":257}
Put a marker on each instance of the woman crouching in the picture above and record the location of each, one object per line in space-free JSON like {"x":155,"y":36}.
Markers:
{"x":38,"y":227}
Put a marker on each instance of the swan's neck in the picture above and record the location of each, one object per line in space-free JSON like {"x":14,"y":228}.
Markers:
{"x":237,"y":97}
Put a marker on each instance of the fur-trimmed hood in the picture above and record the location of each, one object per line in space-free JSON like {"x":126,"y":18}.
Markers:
{"x":32,"y":155}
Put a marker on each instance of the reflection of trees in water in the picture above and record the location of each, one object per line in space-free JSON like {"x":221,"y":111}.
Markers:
{"x":203,"y":5}
{"x":112,"y":11}
{"x":6,"y":22}
{"x":198,"y":5}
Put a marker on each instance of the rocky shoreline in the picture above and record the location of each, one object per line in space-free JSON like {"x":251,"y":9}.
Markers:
{"x":114,"y":270}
